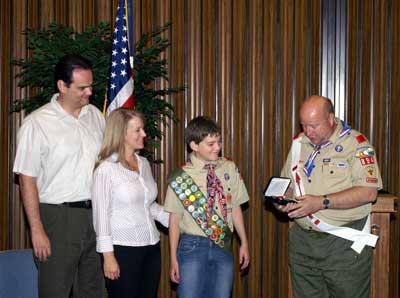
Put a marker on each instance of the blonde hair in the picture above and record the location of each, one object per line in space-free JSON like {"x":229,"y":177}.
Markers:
{"x":114,"y":135}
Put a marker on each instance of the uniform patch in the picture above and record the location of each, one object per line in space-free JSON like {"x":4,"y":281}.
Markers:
{"x":325,"y":160}
{"x":370,"y":171}
{"x":368,"y":160}
{"x":360,"y":139}
{"x":339,"y":148}
{"x":226,"y":176}
{"x":371,"y":180}
{"x":337,"y":164}
{"x":229,"y":198}
{"x":365,"y":151}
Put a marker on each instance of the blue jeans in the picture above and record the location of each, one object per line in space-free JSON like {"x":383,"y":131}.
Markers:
{"x":205,"y":269}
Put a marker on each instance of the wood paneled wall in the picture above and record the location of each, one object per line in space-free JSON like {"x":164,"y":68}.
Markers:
{"x":249,"y":65}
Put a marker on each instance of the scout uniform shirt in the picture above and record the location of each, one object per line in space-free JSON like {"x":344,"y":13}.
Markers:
{"x":234,"y":190}
{"x":348,"y":161}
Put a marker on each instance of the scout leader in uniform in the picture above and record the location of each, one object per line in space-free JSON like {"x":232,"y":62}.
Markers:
{"x":335,"y":178}
{"x":204,"y":198}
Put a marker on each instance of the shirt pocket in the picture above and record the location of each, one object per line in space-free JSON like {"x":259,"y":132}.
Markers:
{"x":336,"y":174}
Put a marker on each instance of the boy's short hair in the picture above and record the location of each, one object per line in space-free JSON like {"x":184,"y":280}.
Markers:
{"x":200,"y":127}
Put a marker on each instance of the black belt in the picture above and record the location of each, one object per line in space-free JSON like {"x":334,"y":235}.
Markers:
{"x":80,"y":204}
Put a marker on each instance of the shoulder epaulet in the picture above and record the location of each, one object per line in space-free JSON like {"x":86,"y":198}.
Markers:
{"x":296,"y":135}
{"x":360,"y":138}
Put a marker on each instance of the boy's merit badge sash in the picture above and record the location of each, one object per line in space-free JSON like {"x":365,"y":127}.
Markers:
{"x":195,"y":203}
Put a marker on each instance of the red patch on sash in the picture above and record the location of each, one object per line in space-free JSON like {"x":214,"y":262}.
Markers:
{"x":360,"y":139}
{"x":371,"y":180}
{"x":296,"y":136}
{"x":368,"y":160}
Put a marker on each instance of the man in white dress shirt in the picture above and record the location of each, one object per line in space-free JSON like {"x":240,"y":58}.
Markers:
{"x":57,"y":148}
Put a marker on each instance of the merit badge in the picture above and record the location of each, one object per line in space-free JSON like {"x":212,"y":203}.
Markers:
{"x":179,"y":180}
{"x":190,"y":208}
{"x":226,"y":176}
{"x":182,"y":196}
{"x":174,"y":184}
{"x":188,"y":192}
{"x":339,"y":148}
{"x":193,"y":188}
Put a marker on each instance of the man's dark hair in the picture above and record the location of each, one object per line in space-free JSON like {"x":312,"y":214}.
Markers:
{"x":199,"y":128}
{"x":66,"y":65}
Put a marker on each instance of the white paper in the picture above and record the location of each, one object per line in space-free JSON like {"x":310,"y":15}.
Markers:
{"x":277,"y":187}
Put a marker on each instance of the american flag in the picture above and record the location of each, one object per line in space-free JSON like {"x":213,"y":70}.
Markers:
{"x":120,"y":82}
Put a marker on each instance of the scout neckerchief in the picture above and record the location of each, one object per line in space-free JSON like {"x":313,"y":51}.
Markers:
{"x":309,"y":164}
{"x":194,"y":202}
{"x":214,"y":188}
{"x":359,"y":238}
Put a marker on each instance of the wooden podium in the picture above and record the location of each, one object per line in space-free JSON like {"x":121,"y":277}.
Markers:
{"x":380,"y":225}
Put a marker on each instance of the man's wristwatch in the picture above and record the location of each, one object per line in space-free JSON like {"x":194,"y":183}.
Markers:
{"x":326,"y":202}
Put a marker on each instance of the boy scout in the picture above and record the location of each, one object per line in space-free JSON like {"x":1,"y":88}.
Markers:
{"x":204,"y":198}
{"x":335,"y":177}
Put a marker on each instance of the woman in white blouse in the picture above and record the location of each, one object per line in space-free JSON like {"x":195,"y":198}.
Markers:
{"x":124,"y":209}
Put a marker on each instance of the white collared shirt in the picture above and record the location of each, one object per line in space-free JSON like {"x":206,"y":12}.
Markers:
{"x":124,"y":207}
{"x":60,"y":151}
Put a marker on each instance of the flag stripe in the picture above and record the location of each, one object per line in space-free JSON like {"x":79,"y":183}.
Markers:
{"x":120,"y":82}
